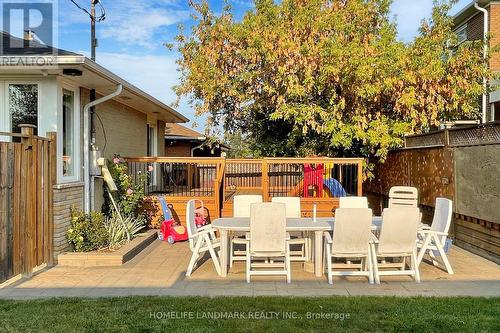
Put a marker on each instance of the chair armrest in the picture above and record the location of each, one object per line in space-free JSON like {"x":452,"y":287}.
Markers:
{"x":205,"y":227}
{"x":434,"y":232}
{"x":201,"y":233}
{"x":373,"y":239}
{"x":328,"y":237}
{"x":424,"y":227}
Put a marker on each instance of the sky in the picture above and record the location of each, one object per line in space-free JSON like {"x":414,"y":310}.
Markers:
{"x":132,"y":37}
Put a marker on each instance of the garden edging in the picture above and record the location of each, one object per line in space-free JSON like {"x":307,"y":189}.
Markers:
{"x":116,"y":258}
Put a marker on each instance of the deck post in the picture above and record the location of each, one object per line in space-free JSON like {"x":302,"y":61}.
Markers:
{"x":360,"y":177}
{"x":265,"y":180}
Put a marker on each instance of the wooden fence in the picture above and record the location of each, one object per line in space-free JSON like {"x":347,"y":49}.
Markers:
{"x":462,"y":164}
{"x":27,"y":174}
{"x":216,"y":181}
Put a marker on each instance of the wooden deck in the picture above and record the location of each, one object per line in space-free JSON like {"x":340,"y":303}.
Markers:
{"x":217,"y":180}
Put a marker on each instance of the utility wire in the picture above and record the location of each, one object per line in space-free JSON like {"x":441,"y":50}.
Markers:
{"x":99,"y":18}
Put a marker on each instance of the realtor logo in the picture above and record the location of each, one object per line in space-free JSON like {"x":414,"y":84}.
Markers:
{"x":27,"y":27}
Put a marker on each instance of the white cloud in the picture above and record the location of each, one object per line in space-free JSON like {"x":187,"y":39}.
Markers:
{"x":154,"y":74}
{"x":133,"y":23}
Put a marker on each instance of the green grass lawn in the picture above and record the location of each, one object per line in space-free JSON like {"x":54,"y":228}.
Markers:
{"x":190,"y":314}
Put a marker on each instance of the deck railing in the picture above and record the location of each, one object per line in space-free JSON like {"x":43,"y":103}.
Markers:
{"x":217,"y":180}
{"x":303,"y":177}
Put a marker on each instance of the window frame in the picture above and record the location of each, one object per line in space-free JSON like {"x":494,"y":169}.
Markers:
{"x":76,"y":177}
{"x":462,"y":29}
{"x":6,"y":107}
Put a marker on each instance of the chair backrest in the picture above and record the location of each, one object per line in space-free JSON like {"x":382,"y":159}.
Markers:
{"x":241,"y":204}
{"x":399,"y":230}
{"x":292,"y":205}
{"x":351,"y":231}
{"x":268,"y":227}
{"x":442,"y":216}
{"x":403,"y":196}
{"x":353,"y":202}
{"x":190,"y":221}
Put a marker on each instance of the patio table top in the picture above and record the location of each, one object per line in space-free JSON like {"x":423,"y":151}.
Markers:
{"x":292,"y":224}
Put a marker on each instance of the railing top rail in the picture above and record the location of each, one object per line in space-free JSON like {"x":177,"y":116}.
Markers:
{"x":340,"y":160}
{"x":213,"y":160}
{"x":207,"y":160}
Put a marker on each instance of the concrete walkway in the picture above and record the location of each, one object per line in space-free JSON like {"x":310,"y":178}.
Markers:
{"x":160,"y":270}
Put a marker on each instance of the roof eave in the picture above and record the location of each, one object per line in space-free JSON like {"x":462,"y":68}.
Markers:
{"x":92,"y":65}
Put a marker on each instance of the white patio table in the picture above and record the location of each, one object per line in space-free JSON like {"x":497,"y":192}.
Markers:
{"x":226,"y":225}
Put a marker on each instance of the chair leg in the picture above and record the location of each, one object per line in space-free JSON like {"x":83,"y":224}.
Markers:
{"x":370,"y":266}
{"x":440,"y":248}
{"x":231,"y":249}
{"x":212,"y":254}
{"x":328,"y":259}
{"x":423,"y":249}
{"x":288,"y":268}
{"x":194,"y":256}
{"x":414,"y":265}
{"x":249,"y":263}
{"x":375,"y":264}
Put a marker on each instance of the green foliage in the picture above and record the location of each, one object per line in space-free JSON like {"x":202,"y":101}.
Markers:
{"x":117,"y":230}
{"x":87,"y":231}
{"x":130,"y":194}
{"x":324,"y":77}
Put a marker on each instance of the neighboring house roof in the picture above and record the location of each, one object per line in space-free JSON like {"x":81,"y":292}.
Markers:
{"x":16,"y":47}
{"x":178,"y":132}
{"x":53,"y":61}
{"x":468,"y":11}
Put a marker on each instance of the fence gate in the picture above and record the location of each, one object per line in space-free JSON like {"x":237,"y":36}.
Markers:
{"x":27,"y":174}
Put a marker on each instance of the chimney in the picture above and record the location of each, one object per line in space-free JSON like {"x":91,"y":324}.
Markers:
{"x":28,"y":35}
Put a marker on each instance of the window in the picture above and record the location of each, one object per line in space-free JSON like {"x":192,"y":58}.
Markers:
{"x":68,"y":133}
{"x":462,"y":33}
{"x":151,"y":148}
{"x":23,"y":105}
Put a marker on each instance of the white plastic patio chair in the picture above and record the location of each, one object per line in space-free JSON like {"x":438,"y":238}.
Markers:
{"x":201,"y":240}
{"x":397,"y":240}
{"x":293,"y":210}
{"x":268,"y":239}
{"x":351,"y":239}
{"x":433,"y":238}
{"x":241,"y":208}
{"x":403,"y":196}
{"x":353,"y":202}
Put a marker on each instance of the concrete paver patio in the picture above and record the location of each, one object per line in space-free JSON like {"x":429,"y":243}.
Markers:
{"x":160,"y":270}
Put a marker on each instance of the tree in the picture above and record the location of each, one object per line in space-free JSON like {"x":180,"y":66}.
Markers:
{"x":322,"y":77}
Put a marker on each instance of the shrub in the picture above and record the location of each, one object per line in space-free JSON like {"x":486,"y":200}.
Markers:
{"x":87,"y":232}
{"x":117,"y":230}
{"x":131,"y":190}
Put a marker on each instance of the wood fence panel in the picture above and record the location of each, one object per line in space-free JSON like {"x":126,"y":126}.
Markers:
{"x":27,"y":174}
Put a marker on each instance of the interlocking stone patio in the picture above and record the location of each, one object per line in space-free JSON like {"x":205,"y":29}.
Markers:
{"x":160,"y":270}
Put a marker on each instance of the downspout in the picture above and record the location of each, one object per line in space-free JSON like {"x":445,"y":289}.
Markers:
{"x":87,"y":142}
{"x":485,"y":55}
{"x":201,"y":138}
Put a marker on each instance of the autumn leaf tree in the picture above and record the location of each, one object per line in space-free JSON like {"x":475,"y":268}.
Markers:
{"x":326,"y":77}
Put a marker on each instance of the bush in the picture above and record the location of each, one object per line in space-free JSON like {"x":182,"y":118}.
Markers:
{"x":131,"y":190}
{"x":87,"y":232}
{"x":117,"y":231}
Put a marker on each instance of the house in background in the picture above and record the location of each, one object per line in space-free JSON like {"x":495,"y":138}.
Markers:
{"x":51,"y":88}
{"x":181,"y":141}
{"x":471,"y":23}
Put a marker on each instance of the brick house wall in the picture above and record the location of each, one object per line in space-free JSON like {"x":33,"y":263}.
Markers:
{"x":178,"y":149}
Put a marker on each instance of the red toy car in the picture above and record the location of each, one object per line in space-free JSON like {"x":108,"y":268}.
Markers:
{"x":170,"y":230}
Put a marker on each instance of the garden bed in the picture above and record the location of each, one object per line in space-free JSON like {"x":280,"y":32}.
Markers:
{"x":108,"y":258}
